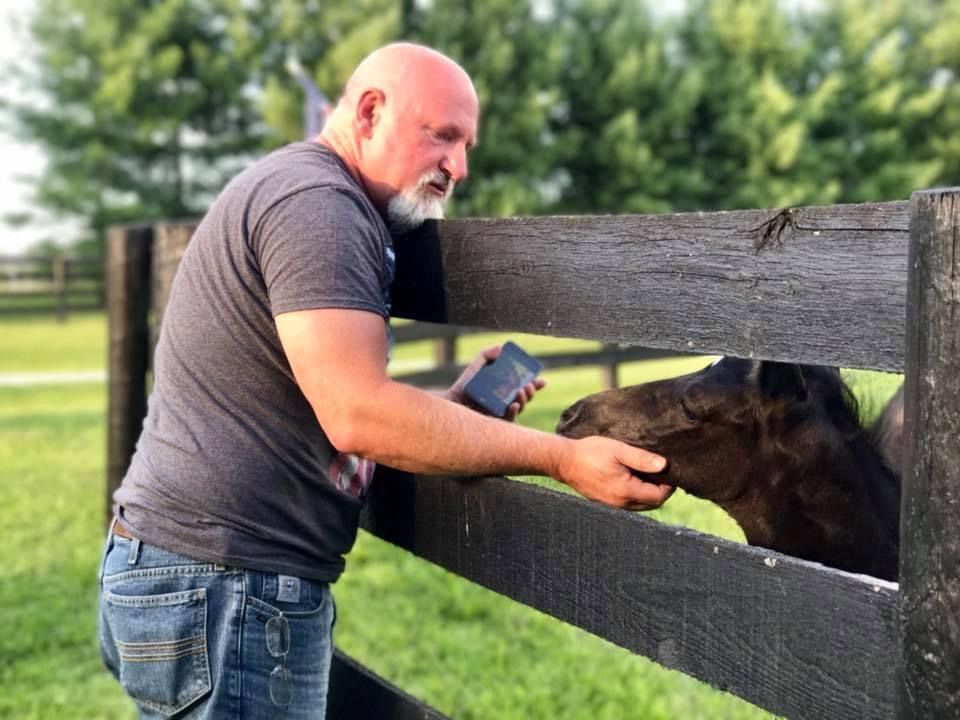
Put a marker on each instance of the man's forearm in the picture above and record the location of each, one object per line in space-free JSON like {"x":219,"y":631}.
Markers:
{"x":414,"y":430}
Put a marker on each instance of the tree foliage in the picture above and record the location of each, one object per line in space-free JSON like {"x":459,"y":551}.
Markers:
{"x":603,"y":106}
{"x":146,"y":107}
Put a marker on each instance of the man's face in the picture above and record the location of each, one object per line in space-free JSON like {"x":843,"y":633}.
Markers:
{"x":418,"y":152}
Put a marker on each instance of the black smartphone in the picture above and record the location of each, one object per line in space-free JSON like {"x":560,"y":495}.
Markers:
{"x":497,"y":383}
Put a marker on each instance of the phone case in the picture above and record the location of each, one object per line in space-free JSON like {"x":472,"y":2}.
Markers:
{"x":495,"y":386}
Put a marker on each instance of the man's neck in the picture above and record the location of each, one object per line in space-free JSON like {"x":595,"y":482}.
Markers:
{"x":335,"y":142}
{"x":348,"y":152}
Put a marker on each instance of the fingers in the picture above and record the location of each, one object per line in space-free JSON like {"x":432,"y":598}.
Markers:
{"x":648,"y":496}
{"x":641,"y":460}
{"x":644,"y":495}
{"x":491,"y":353}
{"x":524,"y":395}
{"x":607,"y":470}
{"x":485,"y":357}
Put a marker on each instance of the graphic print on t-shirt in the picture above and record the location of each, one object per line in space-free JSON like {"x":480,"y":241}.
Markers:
{"x":352,"y":474}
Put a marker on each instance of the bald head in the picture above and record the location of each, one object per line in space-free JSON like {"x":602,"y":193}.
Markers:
{"x":404,"y":124}
{"x":404,"y":71}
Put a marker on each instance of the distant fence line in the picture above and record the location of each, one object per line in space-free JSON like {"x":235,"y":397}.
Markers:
{"x":57,"y":284}
{"x":446,"y":369}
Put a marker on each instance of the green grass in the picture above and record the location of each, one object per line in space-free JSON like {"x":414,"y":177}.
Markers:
{"x":518,"y":663}
{"x":467,"y":651}
{"x":51,"y":492}
{"x":41,"y":344}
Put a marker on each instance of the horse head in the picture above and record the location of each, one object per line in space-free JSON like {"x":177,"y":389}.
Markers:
{"x":776,"y":445}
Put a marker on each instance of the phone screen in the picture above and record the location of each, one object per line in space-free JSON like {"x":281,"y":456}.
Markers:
{"x":495,"y":386}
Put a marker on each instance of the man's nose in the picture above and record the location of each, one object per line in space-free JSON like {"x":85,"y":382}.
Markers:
{"x":454,"y":163}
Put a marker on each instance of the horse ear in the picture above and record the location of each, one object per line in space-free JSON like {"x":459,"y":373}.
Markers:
{"x":780,"y":380}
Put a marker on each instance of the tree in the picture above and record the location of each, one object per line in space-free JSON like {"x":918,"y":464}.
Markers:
{"x":141,"y":107}
{"x":327,"y":39}
{"x":618,"y":105}
{"x":146,"y":107}
{"x":875,"y":101}
{"x":938,"y":54}
{"x":512,"y":52}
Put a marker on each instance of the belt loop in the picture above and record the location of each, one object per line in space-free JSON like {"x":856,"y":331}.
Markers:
{"x":134,"y":554}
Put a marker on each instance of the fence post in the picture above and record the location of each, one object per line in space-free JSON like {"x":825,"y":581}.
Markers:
{"x":128,"y":301}
{"x":610,"y":371}
{"x":170,"y":241}
{"x":60,"y":286}
{"x":930,"y":514}
{"x":445,"y":352}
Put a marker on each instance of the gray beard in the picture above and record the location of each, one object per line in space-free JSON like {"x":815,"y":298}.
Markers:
{"x":410,"y":209}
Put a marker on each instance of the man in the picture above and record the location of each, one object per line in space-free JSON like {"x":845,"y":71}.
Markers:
{"x":271,"y":404}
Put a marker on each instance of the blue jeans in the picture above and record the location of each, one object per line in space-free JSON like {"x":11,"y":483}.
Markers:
{"x":189,"y":639}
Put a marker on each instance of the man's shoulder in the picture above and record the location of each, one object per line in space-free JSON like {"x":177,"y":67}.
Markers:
{"x":298,"y":169}
{"x":310,"y":162}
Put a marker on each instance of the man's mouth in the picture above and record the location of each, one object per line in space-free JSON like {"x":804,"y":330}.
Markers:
{"x":438,"y":188}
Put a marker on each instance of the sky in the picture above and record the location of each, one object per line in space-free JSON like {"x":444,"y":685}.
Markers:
{"x":17,"y":157}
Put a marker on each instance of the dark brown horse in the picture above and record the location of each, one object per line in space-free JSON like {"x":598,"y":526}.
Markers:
{"x":776,"y":445}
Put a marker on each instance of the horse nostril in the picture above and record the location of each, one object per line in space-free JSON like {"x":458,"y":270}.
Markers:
{"x":569,"y":417}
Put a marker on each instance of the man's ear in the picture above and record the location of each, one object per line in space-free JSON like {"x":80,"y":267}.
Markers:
{"x":369,"y":109}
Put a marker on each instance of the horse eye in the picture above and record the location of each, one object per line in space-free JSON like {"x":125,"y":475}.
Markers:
{"x":688,"y":414}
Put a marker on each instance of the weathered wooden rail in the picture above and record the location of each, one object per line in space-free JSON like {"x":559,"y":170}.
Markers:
{"x":869,"y":286}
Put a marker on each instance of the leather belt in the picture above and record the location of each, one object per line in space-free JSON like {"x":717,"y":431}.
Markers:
{"x":120,"y":531}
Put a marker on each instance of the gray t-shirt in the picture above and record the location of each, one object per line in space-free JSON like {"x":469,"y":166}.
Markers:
{"x":232,"y":465}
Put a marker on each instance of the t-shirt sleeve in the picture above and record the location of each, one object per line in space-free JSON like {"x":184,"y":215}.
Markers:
{"x":319,"y":248}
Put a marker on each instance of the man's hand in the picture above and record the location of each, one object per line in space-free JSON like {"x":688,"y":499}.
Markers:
{"x":600,"y":469}
{"x":524,"y":395}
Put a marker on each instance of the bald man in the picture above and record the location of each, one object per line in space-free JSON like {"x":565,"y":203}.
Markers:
{"x":271,"y":405}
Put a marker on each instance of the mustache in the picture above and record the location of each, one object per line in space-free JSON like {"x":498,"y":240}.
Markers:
{"x":439,"y":178}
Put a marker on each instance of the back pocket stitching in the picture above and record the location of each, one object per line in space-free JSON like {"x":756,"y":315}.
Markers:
{"x":156,"y":658}
{"x":171,"y":644}
{"x":145,"y":652}
{"x":202,"y":668}
{"x":176,"y":598}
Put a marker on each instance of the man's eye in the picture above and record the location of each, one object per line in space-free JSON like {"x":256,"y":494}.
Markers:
{"x":441,"y":135}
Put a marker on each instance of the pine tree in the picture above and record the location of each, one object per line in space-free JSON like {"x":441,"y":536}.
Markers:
{"x":141,"y":107}
{"x":513,"y":55}
{"x":876,"y":101}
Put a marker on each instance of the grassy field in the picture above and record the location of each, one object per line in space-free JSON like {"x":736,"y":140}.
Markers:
{"x":38,"y":343}
{"x":465,"y":650}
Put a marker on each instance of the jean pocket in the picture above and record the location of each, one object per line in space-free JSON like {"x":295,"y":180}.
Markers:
{"x":161,"y":642}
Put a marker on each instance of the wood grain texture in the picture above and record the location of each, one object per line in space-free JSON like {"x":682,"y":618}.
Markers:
{"x":930,"y":515}
{"x":819,"y":285}
{"x":129,"y":251}
{"x":797,"y":639}
{"x":823,"y":285}
{"x":358,"y":693}
{"x":169,"y":244}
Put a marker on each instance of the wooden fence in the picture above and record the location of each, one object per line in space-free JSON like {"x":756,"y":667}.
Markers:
{"x":446,"y":368}
{"x":826,"y":285}
{"x":50,"y":285}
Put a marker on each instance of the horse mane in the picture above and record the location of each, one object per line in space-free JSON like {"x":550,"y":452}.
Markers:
{"x":838,"y":400}
{"x":844,"y":412}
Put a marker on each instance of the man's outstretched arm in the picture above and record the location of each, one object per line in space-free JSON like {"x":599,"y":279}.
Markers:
{"x":339,"y":360}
